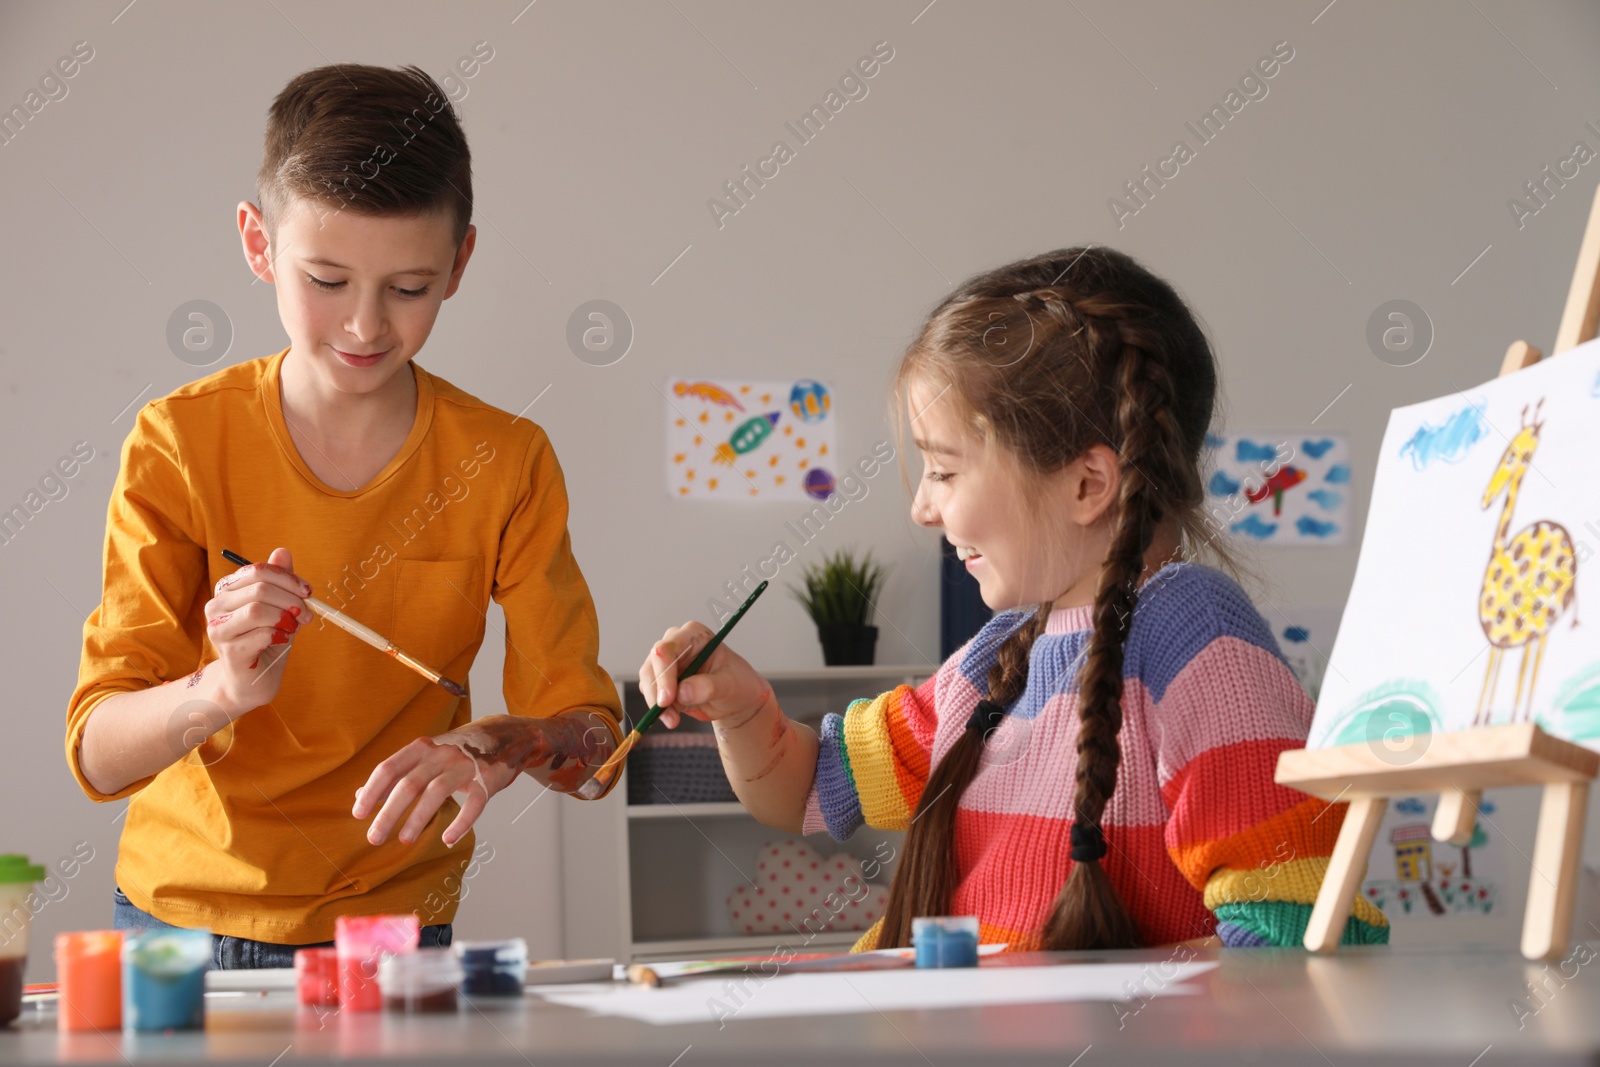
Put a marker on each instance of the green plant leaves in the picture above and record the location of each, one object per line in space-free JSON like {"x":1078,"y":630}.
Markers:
{"x":841,"y":590}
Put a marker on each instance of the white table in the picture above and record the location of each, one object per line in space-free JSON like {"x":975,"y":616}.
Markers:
{"x":1448,"y":1007}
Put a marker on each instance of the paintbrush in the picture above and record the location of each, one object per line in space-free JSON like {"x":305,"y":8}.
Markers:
{"x":648,"y":719}
{"x":370,"y":636}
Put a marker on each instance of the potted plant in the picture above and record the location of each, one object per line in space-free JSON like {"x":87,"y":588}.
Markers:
{"x":838,"y":595}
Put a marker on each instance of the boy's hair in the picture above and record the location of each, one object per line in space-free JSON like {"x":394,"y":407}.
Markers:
{"x":1045,"y":358}
{"x":373,"y":140}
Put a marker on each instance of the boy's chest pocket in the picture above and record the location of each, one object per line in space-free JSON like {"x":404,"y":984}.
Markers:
{"x":437,"y":609}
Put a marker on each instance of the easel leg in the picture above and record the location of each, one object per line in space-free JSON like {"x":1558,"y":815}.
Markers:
{"x":1456,"y":816}
{"x":1345,"y":870}
{"x":1552,"y":887}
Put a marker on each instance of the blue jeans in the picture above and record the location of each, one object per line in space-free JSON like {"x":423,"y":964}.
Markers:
{"x":241,"y":953}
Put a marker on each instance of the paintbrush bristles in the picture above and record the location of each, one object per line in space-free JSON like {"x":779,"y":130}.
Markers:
{"x":609,"y":767}
{"x":453,"y":688}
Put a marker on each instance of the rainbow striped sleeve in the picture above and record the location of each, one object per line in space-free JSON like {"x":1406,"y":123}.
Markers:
{"x":872,"y":762}
{"x":1224,"y":707}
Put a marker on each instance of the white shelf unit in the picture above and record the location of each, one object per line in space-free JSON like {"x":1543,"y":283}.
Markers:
{"x":650,"y":881}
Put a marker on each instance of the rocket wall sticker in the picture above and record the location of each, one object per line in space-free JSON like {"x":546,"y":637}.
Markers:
{"x":747,"y":439}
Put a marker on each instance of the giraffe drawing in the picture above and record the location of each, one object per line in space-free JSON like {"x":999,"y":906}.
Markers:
{"x":1531,"y":579}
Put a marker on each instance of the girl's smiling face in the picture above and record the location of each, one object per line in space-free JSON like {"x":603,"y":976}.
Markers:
{"x":1026,"y":538}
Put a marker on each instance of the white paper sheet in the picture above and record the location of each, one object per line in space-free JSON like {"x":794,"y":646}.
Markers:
{"x":756,"y":996}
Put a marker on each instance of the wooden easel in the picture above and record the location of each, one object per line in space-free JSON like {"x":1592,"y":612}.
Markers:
{"x":1460,"y":765}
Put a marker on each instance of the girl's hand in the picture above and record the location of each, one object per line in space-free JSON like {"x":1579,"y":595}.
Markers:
{"x":424,"y":774}
{"x":726,"y":686}
{"x":254,"y":609}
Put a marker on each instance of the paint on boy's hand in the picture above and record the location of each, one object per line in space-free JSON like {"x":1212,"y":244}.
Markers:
{"x":557,"y":751}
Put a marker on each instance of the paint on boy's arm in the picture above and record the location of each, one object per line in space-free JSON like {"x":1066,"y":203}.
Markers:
{"x":560,"y":752}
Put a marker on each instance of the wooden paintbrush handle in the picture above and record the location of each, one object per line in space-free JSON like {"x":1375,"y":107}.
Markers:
{"x":347,"y":624}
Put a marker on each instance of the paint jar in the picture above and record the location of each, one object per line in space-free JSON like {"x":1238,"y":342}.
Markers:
{"x":493,"y":968}
{"x":316,"y":976}
{"x":423,"y":980}
{"x":17,"y":876}
{"x":946,"y":941}
{"x":361,"y":941}
{"x":164,"y":979}
{"x":89,"y":973}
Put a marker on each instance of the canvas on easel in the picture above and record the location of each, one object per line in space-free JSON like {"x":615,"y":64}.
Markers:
{"x":1466,"y":608}
{"x":1462,"y":662}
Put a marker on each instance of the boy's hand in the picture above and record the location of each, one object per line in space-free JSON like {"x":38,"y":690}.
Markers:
{"x":254,"y":609}
{"x":476,"y":761}
{"x":726,"y":686}
{"x":424,"y":774}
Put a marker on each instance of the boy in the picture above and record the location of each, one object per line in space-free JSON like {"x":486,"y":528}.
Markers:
{"x":409,"y":504}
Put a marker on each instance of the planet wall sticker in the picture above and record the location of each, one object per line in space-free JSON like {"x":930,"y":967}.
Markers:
{"x":749,"y":439}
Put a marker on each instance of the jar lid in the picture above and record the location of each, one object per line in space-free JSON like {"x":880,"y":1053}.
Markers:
{"x":437,"y":963}
{"x":88,"y":942}
{"x":363,"y":934}
{"x":944,"y":925}
{"x":509,"y":950}
{"x":168,"y":953}
{"x":15,"y":868}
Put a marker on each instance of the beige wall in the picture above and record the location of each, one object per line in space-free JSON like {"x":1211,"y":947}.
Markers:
{"x":1378,"y":166}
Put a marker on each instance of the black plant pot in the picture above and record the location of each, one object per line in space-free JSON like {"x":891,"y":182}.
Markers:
{"x":848,"y":645}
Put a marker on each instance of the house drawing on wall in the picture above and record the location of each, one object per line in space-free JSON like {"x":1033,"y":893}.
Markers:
{"x":1413,"y":852}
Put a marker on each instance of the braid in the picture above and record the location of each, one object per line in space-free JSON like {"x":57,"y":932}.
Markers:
{"x":925,"y":881}
{"x":1088,"y":912}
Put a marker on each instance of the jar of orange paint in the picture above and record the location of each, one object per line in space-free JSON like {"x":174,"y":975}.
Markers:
{"x":89,"y":972}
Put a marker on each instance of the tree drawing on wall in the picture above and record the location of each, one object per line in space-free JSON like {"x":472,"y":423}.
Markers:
{"x":1479,"y":839}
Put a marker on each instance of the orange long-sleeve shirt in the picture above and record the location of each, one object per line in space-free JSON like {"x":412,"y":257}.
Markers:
{"x":251,"y":833}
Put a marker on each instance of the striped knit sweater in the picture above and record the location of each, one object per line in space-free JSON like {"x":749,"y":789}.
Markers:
{"x":1200,"y":839}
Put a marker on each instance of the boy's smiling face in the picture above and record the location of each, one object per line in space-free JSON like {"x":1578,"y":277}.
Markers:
{"x":353,"y":286}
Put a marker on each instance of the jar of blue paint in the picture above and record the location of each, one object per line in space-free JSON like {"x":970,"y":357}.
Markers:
{"x":946,"y":941}
{"x":493,"y":968}
{"x":164,"y":979}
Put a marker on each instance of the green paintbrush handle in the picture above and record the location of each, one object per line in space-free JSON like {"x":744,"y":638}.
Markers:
{"x":648,"y":719}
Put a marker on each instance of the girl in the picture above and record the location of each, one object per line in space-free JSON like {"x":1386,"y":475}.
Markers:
{"x":1094,"y":768}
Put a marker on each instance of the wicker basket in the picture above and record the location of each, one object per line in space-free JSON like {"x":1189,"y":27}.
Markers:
{"x":677,"y":769}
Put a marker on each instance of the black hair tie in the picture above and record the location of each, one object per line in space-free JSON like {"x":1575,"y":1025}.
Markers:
{"x":1088,"y":842}
{"x":985,"y":717}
